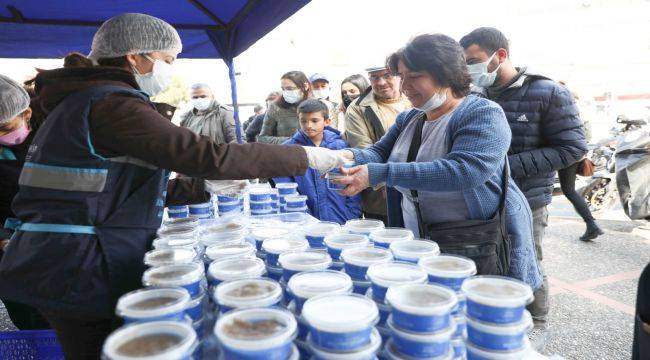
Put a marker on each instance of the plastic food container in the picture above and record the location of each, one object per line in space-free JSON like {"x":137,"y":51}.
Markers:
{"x":336,"y":174}
{"x":476,"y":353}
{"x":195,"y":306}
{"x":357,"y":260}
{"x":390,"y":353}
{"x":360,"y":287}
{"x":201,"y":209}
{"x":254,"y":334}
{"x":448,"y":270}
{"x":462,"y":302}
{"x":262,"y":212}
{"x":260,"y":194}
{"x":184,"y":231}
{"x":263,"y":233}
{"x":496,"y":299}
{"x":382,"y":276}
{"x":177,"y":222}
{"x":220,"y":228}
{"x":422,"y":345}
{"x":303,"y":326}
{"x":363,"y":226}
{"x":274,"y":272}
{"x":177,"y":243}
{"x":264,"y":205}
{"x":384,"y":237}
{"x":177,"y":212}
{"x":295,"y":201}
{"x":303,"y":209}
{"x":187,"y":276}
{"x":367,"y":352}
{"x":153,"y":304}
{"x":162,"y":257}
{"x":287,"y":188}
{"x":338,"y":242}
{"x":413,"y":250}
{"x":310,"y":284}
{"x":228,"y":206}
{"x":340,"y":323}
{"x":316,"y":233}
{"x":384,"y":332}
{"x":212,"y":239}
{"x":277,"y":246}
{"x":229,"y":251}
{"x":247,"y":293}
{"x":299,"y":261}
{"x":384,"y":309}
{"x":155,"y":340}
{"x":461,"y":325}
{"x":235,"y":269}
{"x":227,"y":198}
{"x":337,"y":265}
{"x":421,"y":308}
{"x":499,"y":337}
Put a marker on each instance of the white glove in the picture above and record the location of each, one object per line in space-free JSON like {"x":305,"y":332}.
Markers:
{"x":323,"y":159}
{"x":226,"y":187}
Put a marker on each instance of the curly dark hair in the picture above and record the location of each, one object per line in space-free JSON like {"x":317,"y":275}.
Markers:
{"x":438,"y":55}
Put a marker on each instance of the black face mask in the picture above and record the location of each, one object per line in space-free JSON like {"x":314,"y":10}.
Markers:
{"x":347,"y":99}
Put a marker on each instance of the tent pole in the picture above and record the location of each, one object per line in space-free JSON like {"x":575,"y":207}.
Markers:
{"x":233,"y":93}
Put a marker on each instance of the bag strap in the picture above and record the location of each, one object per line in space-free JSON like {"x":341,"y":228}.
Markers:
{"x":416,"y":142}
{"x":375,"y":123}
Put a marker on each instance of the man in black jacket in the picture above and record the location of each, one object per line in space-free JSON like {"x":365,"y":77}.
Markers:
{"x":547,"y":135}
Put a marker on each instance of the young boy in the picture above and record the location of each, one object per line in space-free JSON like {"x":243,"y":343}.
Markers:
{"x":323,"y":203}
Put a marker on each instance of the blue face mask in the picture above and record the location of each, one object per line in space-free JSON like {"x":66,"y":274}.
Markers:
{"x":480,"y":75}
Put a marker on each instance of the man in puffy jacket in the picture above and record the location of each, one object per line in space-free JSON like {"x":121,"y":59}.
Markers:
{"x":547,"y":135}
{"x":208,"y":117}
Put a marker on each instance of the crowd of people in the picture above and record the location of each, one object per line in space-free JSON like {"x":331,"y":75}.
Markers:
{"x":448,"y":138}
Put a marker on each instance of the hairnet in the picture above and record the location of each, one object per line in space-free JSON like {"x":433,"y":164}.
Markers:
{"x":13,"y":99}
{"x":133,"y":33}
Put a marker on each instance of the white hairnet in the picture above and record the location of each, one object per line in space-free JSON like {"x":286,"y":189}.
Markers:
{"x":134,"y":34}
{"x":13,"y":99}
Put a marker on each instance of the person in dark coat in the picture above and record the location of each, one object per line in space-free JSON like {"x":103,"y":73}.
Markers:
{"x":255,"y":126}
{"x":641,"y":344}
{"x":547,"y":135}
{"x":96,"y":179}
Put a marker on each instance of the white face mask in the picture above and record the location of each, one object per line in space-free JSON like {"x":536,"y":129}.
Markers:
{"x":157,"y":80}
{"x":322,"y":93}
{"x":201,"y":103}
{"x":480,"y":75}
{"x":434,"y":102}
{"x":292,"y":96}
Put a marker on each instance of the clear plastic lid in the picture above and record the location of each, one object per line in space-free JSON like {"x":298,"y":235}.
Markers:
{"x":516,"y":354}
{"x":160,"y":257}
{"x":522,"y":326}
{"x":390,"y":235}
{"x":260,"y":190}
{"x":281,"y":245}
{"x":152,"y":302}
{"x":226,"y":251}
{"x":414,"y":249}
{"x":184,"y":231}
{"x":179,"y":222}
{"x":173,"y":275}
{"x":263,"y":233}
{"x":365,"y":226}
{"x":295,"y":198}
{"x":175,"y":242}
{"x":322,"y":228}
{"x":421,"y":299}
{"x":156,"y":340}
{"x":211,"y":239}
{"x":236,"y":268}
{"x":313,"y":283}
{"x":396,"y":273}
{"x":289,"y":185}
{"x":498,"y":291}
{"x":256,"y":329}
{"x":248,"y":293}
{"x":340,"y":313}
{"x":448,"y":266}
{"x":346,"y":241}
{"x":305,"y":260}
{"x":366,"y":256}
{"x":229,"y":227}
{"x":366,"y":352}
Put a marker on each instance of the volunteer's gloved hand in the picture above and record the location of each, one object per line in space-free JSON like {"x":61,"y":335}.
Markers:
{"x":226,"y":187}
{"x":323,"y":159}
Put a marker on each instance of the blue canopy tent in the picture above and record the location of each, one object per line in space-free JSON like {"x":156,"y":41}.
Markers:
{"x":219,"y":29}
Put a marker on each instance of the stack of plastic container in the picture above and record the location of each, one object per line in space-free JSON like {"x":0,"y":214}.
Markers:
{"x":284,"y":190}
{"x":177,"y":212}
{"x":296,"y":203}
{"x":309,"y":284}
{"x":221,"y":233}
{"x":451,"y":271}
{"x":363,"y":226}
{"x":273,"y":248}
{"x":260,"y":234}
{"x":497,"y":320}
{"x":247,"y":293}
{"x":383,"y":237}
{"x":230,"y":205}
{"x":342,"y":327}
{"x":202,"y":211}
{"x":421,"y":323}
{"x":261,"y":201}
{"x":337,"y":242}
{"x":153,"y":340}
{"x":413,"y":250}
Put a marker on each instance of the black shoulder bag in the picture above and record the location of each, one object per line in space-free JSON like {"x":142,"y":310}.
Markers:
{"x":484,"y":241}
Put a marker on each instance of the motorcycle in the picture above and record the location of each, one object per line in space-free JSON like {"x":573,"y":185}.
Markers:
{"x":602,"y":191}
